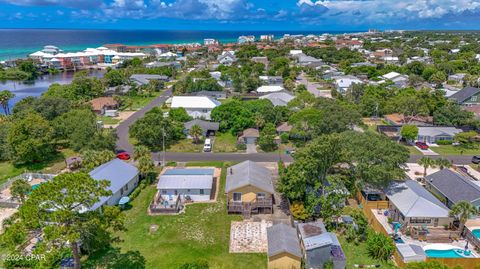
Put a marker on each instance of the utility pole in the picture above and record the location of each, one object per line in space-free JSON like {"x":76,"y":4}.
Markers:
{"x":163,"y":143}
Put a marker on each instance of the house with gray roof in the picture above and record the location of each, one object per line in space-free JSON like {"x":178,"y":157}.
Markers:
{"x":283,"y":247}
{"x":227,"y":58}
{"x":249,"y":188}
{"x":212,"y":94}
{"x":144,"y":79}
{"x":467,"y":96}
{"x":123,"y":178}
{"x":453,"y":187}
{"x":208,"y":128}
{"x":279,"y":98}
{"x":193,"y":184}
{"x":411,"y":204}
{"x":320,"y":246}
{"x":432,"y":134}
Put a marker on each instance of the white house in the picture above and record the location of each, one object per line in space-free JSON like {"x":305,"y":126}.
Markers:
{"x":436,"y":133}
{"x":227,"y":58}
{"x":191,"y":183}
{"x":123,"y":178}
{"x":270,"y":88}
{"x":398,"y":79}
{"x":196,"y":106}
{"x":344,"y":82}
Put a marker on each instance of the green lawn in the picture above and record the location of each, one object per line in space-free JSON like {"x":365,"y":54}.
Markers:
{"x":455,"y":150}
{"x":202,"y":233}
{"x":412,"y":150}
{"x":186,"y":145}
{"x":357,"y":254}
{"x":138,"y":102}
{"x":225,"y":142}
{"x":53,"y":166}
{"x":108,"y":120}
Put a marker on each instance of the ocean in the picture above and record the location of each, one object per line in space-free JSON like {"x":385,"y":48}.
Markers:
{"x":18,"y":43}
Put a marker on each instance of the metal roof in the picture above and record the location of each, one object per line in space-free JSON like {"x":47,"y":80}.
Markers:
{"x":413,"y":200}
{"x":185,"y":182}
{"x":283,"y":238}
{"x":278,"y":98}
{"x":190,"y":171}
{"x":118,"y":172}
{"x":317,"y":241}
{"x":194,"y":102}
{"x":410,"y":252}
{"x":436,"y":130}
{"x":454,"y":186}
{"x":249,"y":173}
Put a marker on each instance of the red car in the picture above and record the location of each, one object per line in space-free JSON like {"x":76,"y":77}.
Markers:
{"x":421,"y":145}
{"x":123,"y":156}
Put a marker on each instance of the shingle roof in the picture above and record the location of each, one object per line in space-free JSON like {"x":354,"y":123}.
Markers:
{"x":118,"y":172}
{"x":437,"y":130}
{"x":249,"y":173}
{"x":145,"y":78}
{"x":204,"y":125}
{"x":413,"y":200}
{"x":251,"y":132}
{"x":101,"y":102}
{"x":278,"y":98}
{"x":462,"y":95}
{"x":283,"y":238}
{"x":454,"y":186}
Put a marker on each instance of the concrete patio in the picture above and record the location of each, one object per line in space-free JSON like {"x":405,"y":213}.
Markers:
{"x":249,"y":236}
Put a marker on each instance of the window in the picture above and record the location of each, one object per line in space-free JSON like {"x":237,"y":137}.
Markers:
{"x":188,"y":190}
{"x":176,"y":192}
{"x":474,"y":98}
{"x":420,"y":221}
{"x":202,"y":191}
{"x":164,"y":191}
{"x":237,"y":196}
{"x":261,"y":195}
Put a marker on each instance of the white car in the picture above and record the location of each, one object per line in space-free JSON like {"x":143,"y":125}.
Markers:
{"x":207,"y":147}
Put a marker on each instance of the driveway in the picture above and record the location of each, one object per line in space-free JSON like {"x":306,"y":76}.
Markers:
{"x":251,"y":148}
{"x":312,"y":87}
{"x":122,"y":128}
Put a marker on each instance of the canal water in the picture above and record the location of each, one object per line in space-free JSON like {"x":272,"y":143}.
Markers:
{"x":40,"y":85}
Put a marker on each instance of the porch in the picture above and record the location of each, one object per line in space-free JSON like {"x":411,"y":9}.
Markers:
{"x":263,"y":205}
{"x":166,"y":204}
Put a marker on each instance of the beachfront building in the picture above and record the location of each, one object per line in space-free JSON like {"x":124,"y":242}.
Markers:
{"x":56,"y":58}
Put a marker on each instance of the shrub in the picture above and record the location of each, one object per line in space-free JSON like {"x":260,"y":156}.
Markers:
{"x":298,"y":211}
{"x":379,"y":246}
{"x":284,"y":138}
{"x":444,"y":142}
{"x":241,"y":146}
{"x":195,"y":265}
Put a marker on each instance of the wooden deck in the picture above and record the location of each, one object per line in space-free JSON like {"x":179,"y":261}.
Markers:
{"x":247,"y":208}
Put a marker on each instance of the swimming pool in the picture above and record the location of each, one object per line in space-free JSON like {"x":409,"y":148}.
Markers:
{"x":448,"y":253}
{"x":476,"y":233}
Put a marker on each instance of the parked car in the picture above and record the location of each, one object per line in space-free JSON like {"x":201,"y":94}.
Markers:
{"x":207,"y":147}
{"x":476,"y":159}
{"x":118,"y":151}
{"x":421,"y":145}
{"x":123,"y":156}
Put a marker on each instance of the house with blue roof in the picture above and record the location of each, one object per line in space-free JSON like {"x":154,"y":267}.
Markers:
{"x":123,"y":178}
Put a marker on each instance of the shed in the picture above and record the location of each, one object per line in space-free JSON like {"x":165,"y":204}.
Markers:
{"x":411,"y":253}
{"x":283,"y":247}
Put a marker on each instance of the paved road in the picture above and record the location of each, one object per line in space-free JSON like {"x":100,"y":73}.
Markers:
{"x":122,"y":143}
{"x":312,"y":87}
{"x":122,"y":128}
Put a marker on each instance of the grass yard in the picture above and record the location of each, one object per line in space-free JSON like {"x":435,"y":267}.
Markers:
{"x":358,"y":255}
{"x":108,"y":120}
{"x":186,"y":145}
{"x":413,"y":151}
{"x":137,"y":102}
{"x":8,"y":170}
{"x":202,"y":233}
{"x":225,"y":142}
{"x":455,"y":150}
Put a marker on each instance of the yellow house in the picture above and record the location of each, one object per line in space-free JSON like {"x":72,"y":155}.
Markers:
{"x":283,"y":247}
{"x":249,"y":189}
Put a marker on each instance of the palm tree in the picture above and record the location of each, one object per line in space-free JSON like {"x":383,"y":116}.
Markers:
{"x":145,"y":165}
{"x":463,"y":210}
{"x":443,"y":163}
{"x":140,"y":151}
{"x":5,"y":97}
{"x":259,"y":121}
{"x":195,"y":131}
{"x":426,"y":163}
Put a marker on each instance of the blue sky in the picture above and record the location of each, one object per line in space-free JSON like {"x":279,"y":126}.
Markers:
{"x":241,"y":14}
